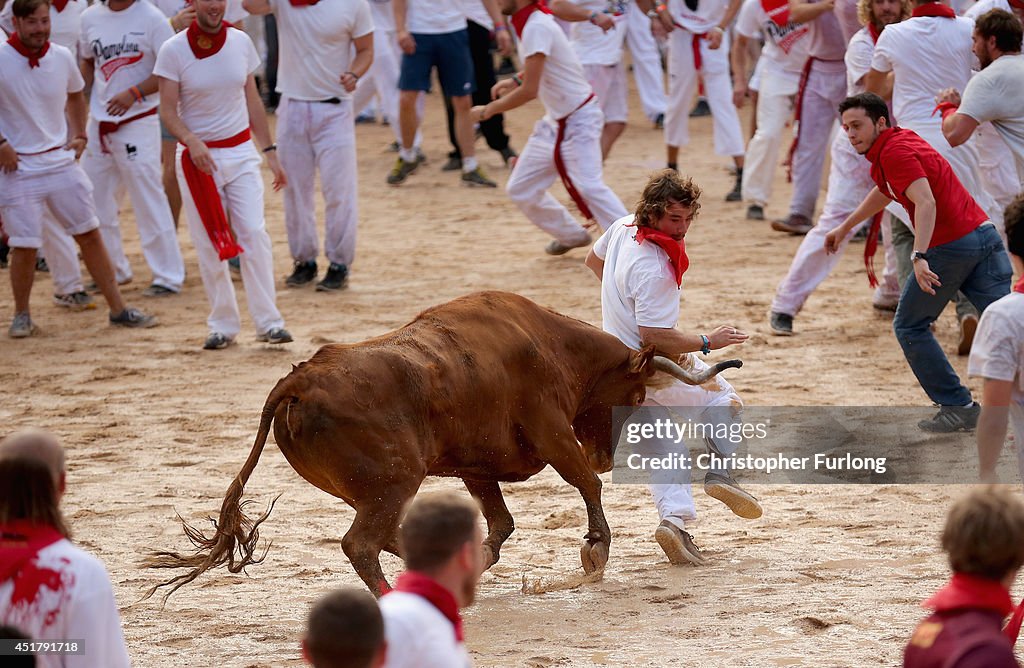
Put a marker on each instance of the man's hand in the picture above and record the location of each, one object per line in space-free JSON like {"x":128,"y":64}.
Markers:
{"x":833,"y":240}
{"x":201,"y":158}
{"x":714,"y":37}
{"x":927,"y":280}
{"x":349,"y":81}
{"x":77,"y":145}
{"x":8,"y":158}
{"x":504,"y":41}
{"x":478,"y":114}
{"x":726,"y":336}
{"x":604,"y":21}
{"x":184,"y":18}
{"x":280,"y":179}
{"x":120,"y":103}
{"x":740,"y":93}
{"x":406,"y":42}
{"x":951,"y":95}
{"x":664,"y":20}
{"x":502,"y":88}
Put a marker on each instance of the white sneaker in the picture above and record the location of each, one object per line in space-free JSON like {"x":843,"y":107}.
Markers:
{"x":22,"y":326}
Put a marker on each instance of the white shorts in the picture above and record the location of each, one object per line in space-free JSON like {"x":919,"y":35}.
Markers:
{"x":24,"y":197}
{"x":609,"y":84}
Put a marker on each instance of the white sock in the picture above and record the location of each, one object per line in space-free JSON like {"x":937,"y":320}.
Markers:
{"x":407,"y":154}
{"x":469,"y":164}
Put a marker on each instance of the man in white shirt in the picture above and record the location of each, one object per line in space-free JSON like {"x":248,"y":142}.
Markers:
{"x":698,"y":46}
{"x":566,"y":142}
{"x":41,"y":95}
{"x":118,"y":47}
{"x":432,"y":33}
{"x":316,"y":76}
{"x":209,"y":101}
{"x":640,"y":261}
{"x":49,"y":588}
{"x":440,"y":542}
{"x":645,"y":57}
{"x":781,"y":62}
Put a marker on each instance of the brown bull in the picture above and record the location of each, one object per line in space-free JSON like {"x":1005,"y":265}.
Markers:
{"x":488,"y":388}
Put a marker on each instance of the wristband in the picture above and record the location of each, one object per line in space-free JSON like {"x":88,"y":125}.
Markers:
{"x":354,"y":75}
{"x":660,"y":8}
{"x":516,"y":78}
{"x":946,"y":108}
{"x":139,"y":97}
{"x":500,"y":26}
{"x":272,"y":147}
{"x":706,"y":347}
{"x":593,"y":15}
{"x":719,"y":29}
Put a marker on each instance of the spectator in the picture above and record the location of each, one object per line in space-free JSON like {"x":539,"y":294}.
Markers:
{"x":345,"y":630}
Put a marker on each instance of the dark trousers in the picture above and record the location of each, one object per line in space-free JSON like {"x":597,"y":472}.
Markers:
{"x":483,"y":68}
{"x":270,"y":34}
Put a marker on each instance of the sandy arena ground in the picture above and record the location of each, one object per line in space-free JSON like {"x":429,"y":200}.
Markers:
{"x":830,"y":576}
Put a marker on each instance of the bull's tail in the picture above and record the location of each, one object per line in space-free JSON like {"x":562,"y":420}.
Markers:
{"x":236,"y":536}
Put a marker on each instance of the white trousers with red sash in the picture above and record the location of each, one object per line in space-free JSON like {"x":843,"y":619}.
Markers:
{"x":312,"y":137}
{"x":535,"y":171}
{"x":133,"y":162}
{"x":646,"y":61}
{"x":683,"y":78}
{"x":823,"y":90}
{"x":240,"y":186}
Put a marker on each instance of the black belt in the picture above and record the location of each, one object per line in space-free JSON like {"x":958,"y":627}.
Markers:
{"x":333,"y":100}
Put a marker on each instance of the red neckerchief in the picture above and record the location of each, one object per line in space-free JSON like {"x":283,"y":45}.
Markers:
{"x":676,"y":250}
{"x":59,"y":5}
{"x":1019,"y":287}
{"x":33,"y":59}
{"x":20,"y":541}
{"x":412,"y":582}
{"x":519,"y":18}
{"x":204,"y":44}
{"x":874,"y":32}
{"x":871,"y":243}
{"x":934,"y":9}
{"x":302,"y":3}
{"x":970,"y":591}
{"x":777,"y":11}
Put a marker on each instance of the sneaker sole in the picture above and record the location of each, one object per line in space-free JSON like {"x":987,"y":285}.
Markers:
{"x":674,"y":549}
{"x":23,"y":334}
{"x":968,"y":327}
{"x":782,"y":332}
{"x":780,"y":226}
{"x":327,"y":288}
{"x":474,"y":184}
{"x":76,"y":308}
{"x":738,"y":501}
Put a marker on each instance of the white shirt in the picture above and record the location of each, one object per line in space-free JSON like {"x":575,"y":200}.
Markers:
{"x":233,"y":13}
{"x":709,"y":14}
{"x":316,"y":46}
{"x":859,"y":53}
{"x":211,"y":99}
{"x":996,"y":94}
{"x":594,"y":46}
{"x":563,"y":86}
{"x":123,"y":47}
{"x":827,"y":40}
{"x":985,"y":6}
{"x":73,"y":601}
{"x":927,"y":54}
{"x":638,"y":288}
{"x":32,"y":103}
{"x":434,"y":17}
{"x":383,"y":15}
{"x":418,"y":635}
{"x":64,"y":26}
{"x":475,"y":11}
{"x":785,"y":48}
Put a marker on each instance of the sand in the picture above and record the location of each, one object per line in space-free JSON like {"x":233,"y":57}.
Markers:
{"x":154,"y":426}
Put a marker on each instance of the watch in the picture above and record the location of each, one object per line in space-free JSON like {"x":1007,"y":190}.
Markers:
{"x":918,"y":255}
{"x":651,"y":14}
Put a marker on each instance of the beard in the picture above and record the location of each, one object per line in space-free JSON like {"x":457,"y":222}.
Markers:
{"x":468,"y":591}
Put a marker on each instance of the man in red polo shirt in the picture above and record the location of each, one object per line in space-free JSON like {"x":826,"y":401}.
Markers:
{"x":956,"y":247}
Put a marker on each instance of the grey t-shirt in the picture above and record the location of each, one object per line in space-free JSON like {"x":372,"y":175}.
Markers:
{"x":996,"y":94}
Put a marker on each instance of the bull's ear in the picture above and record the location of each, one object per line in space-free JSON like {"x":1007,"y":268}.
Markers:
{"x":640,"y":361}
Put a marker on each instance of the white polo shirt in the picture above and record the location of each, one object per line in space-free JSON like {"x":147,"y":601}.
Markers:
{"x":984,"y":6}
{"x":123,"y":47}
{"x":927,"y":54}
{"x":708,"y":14}
{"x":211,"y":99}
{"x":434,"y":17}
{"x":418,"y":635}
{"x":638,"y":286}
{"x":563,"y":86}
{"x":594,"y":46}
{"x":316,"y":46}
{"x":996,"y":94}
{"x":785,"y":47}
{"x":32,"y":103}
{"x":64,"y":25}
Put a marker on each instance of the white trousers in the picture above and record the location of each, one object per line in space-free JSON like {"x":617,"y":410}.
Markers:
{"x":998,"y":166}
{"x":717,"y":89}
{"x":674,"y":501}
{"x":535,"y":172}
{"x":849,"y":182}
{"x":134,"y":163}
{"x":774,"y":109}
{"x":611,"y":90}
{"x":646,"y":59}
{"x":241,"y":191}
{"x":61,"y":255}
{"x":825,"y":89}
{"x":312,"y":137}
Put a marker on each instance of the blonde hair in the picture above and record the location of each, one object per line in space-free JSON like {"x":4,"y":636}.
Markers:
{"x":866,"y":16}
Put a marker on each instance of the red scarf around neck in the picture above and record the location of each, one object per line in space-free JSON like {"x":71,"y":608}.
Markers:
{"x":1019,"y":287}
{"x":934,"y":9}
{"x":676,"y":250}
{"x":874,"y":32}
{"x":20,"y":541}
{"x":33,"y":59}
{"x":519,"y":19}
{"x":204,"y":44}
{"x":777,"y":11}
{"x":59,"y":5}
{"x":426,"y":587}
{"x":971,"y":592}
{"x":302,"y":3}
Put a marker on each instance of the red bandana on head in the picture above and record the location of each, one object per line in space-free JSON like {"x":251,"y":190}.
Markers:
{"x":676,"y":250}
{"x":934,"y":9}
{"x":33,"y":59}
{"x":204,"y":44}
{"x":518,"y":19}
{"x":412,"y":582}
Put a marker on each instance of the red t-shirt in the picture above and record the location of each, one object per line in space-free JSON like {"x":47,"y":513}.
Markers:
{"x":899,"y":157}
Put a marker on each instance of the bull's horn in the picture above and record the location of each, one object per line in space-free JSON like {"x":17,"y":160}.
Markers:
{"x":690,"y":378}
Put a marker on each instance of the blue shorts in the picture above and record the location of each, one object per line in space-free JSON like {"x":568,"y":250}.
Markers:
{"x":449,"y":52}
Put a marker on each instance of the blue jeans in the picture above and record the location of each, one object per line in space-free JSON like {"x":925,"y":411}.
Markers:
{"x":978,"y":266}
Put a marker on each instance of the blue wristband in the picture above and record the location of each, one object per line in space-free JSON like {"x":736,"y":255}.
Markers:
{"x":706,"y":348}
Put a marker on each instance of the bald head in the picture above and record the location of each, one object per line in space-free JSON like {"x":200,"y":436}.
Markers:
{"x":39,"y":446}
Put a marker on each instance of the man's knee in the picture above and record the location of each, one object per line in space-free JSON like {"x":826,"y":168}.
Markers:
{"x":461,"y":103}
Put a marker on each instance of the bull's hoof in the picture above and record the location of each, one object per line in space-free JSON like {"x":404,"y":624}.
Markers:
{"x":594,"y":556}
{"x":489,"y":556}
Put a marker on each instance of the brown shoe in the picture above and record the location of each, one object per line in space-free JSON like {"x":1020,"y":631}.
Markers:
{"x":678,"y":545}
{"x":968,"y":325}
{"x":794,"y":224}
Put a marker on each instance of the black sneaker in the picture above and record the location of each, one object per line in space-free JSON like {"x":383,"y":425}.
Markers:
{"x":157,"y":290}
{"x":781,"y":324}
{"x":755,"y":212}
{"x":133,"y":318}
{"x":335,"y":279}
{"x":401,"y":171}
{"x":736,"y":194}
{"x":275,"y":336}
{"x":477,"y":178}
{"x":951,"y":419}
{"x":659,"y":122}
{"x":454,"y":164}
{"x":216,"y":341}
{"x":700,"y":109}
{"x":509,"y":156}
{"x":304,"y":273}
{"x":42,"y":266}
